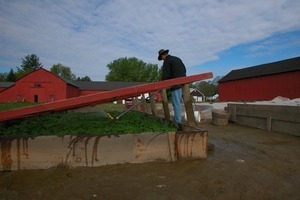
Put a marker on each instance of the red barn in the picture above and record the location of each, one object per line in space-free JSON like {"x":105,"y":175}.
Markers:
{"x":44,"y":86}
{"x":262,"y":82}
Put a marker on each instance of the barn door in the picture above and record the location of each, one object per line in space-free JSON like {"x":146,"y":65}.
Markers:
{"x":36,"y":98}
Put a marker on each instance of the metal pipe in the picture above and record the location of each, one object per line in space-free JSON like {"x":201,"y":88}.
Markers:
{"x":128,"y":109}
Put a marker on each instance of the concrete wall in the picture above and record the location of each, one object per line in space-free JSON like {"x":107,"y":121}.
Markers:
{"x":279,"y":118}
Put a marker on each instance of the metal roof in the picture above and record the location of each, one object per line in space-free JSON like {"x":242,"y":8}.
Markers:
{"x":289,"y":65}
{"x":101,"y":85}
{"x":6,"y":84}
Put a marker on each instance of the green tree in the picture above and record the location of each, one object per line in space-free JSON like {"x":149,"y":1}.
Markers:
{"x":63,"y":71}
{"x":208,"y":88}
{"x":3,"y":77}
{"x":132,"y":70}
{"x":86,"y":78}
{"x":29,"y":64}
{"x":11,"y":76}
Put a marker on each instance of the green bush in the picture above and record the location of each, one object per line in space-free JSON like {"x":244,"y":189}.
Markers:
{"x":75,"y":123}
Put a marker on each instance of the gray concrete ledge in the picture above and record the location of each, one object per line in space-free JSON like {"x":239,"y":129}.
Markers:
{"x":74,"y":151}
{"x":278,"y":118}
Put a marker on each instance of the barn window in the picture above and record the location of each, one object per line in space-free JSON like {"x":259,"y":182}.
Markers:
{"x":37,"y":85}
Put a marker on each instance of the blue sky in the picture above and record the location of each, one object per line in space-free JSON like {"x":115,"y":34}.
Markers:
{"x":209,"y":36}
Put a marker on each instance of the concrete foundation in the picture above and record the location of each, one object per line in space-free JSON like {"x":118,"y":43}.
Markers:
{"x":285,"y":119}
{"x":74,"y":151}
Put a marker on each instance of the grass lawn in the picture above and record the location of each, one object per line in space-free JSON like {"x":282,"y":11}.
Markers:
{"x":14,"y":105}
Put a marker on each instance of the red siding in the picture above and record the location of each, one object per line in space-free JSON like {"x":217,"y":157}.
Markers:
{"x":72,"y":91}
{"x":261,"y":88}
{"x":88,"y":92}
{"x":2,"y":88}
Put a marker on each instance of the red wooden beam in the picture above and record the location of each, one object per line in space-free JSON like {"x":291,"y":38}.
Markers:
{"x":101,"y":97}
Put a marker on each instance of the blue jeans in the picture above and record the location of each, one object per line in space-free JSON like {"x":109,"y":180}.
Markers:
{"x":176,"y":101}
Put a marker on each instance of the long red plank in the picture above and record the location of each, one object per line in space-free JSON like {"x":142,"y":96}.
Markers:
{"x":100,"y":97}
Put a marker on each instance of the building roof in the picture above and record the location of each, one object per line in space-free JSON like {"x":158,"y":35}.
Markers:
{"x":289,"y":65}
{"x":101,"y":85}
{"x":195,"y":92}
{"x":6,"y":84}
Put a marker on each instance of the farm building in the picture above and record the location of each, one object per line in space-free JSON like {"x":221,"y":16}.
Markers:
{"x":44,"y":86}
{"x":262,"y":82}
{"x":197,"y":95}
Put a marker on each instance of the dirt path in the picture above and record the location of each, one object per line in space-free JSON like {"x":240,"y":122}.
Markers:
{"x":247,"y":163}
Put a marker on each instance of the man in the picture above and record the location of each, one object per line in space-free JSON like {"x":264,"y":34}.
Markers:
{"x":173,"y":67}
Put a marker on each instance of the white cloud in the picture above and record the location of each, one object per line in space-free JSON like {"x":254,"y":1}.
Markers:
{"x":87,"y":35}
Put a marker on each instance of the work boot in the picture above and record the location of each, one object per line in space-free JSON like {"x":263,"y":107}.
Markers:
{"x":179,"y":127}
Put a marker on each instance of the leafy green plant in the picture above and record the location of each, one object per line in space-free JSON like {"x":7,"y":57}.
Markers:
{"x":75,"y":123}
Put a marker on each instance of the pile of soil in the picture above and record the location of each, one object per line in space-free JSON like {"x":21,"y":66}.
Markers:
{"x":246,"y":163}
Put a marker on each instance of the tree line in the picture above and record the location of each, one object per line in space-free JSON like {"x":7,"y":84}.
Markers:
{"x":122,"y":69}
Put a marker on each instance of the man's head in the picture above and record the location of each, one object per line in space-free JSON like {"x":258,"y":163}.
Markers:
{"x":162,"y":54}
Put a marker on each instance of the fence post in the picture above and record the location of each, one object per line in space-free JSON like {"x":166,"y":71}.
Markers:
{"x":152,"y":103}
{"x":188,"y":105}
{"x":144,"y":104}
{"x":165,"y":104}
